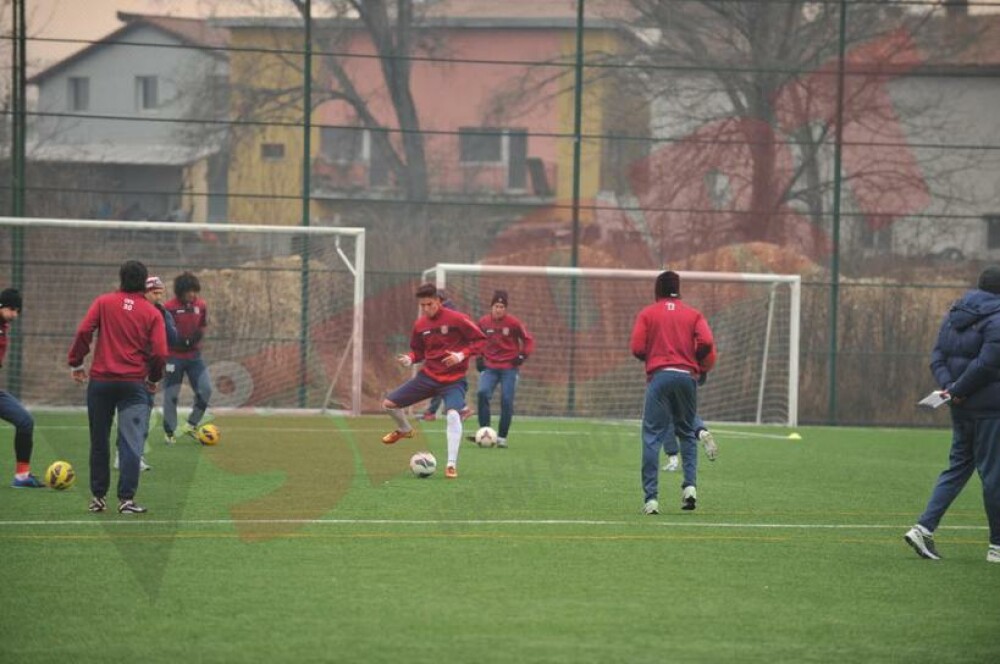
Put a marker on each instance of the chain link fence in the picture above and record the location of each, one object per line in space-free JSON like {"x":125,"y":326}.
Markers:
{"x":849,"y":142}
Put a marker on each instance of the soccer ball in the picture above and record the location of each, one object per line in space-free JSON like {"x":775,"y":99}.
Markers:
{"x":423,"y":464}
{"x":60,"y":475}
{"x":208,"y":434}
{"x":486,"y":437}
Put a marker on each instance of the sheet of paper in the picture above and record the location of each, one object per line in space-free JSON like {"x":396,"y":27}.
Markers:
{"x":935,"y":399}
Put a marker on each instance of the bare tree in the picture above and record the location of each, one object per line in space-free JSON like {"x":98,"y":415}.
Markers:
{"x":748,"y":100}
{"x":392,"y":29}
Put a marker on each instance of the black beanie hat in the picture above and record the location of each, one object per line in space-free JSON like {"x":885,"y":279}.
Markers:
{"x":11,"y":297}
{"x":499,"y":296}
{"x":668,"y":284}
{"x":989,"y":280}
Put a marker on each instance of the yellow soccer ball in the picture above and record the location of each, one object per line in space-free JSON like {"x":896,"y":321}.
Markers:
{"x":60,"y":475}
{"x":208,"y":434}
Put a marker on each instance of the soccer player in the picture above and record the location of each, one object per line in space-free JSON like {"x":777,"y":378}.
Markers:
{"x":673,"y":340}
{"x":11,"y":409}
{"x":129,"y":357}
{"x":443,"y":340}
{"x":508,"y":345}
{"x":966,"y":365}
{"x":191,"y":317}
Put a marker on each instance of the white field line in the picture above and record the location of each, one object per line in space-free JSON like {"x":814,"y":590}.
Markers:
{"x":377,"y":432}
{"x":132,"y":523}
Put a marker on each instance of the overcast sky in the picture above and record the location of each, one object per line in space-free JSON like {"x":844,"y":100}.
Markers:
{"x":92,"y":19}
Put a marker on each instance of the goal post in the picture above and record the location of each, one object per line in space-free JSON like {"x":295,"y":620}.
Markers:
{"x":582,"y":367}
{"x":285,"y":304}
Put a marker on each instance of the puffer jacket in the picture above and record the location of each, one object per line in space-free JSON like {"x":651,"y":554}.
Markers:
{"x":966,"y":358}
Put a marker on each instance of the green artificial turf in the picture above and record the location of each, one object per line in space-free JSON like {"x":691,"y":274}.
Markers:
{"x":305,"y":539}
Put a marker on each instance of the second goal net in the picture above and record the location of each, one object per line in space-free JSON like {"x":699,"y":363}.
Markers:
{"x":582,"y":319}
{"x":285,"y":305}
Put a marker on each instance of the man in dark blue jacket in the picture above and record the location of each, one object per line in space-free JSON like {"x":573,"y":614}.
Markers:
{"x":966,"y":364}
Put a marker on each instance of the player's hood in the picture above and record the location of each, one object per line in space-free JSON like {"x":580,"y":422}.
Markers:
{"x":972,"y":308}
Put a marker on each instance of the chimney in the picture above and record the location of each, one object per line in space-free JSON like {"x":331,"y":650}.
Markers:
{"x":956,"y":8}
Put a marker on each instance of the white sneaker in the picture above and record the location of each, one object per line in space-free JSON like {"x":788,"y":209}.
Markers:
{"x":652,"y":506}
{"x":708,"y":442}
{"x":922,"y":542}
{"x":689,"y":496}
{"x":993,"y":554}
{"x":672,"y":464}
{"x":502,"y":443}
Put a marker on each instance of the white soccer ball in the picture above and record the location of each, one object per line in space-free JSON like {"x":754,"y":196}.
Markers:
{"x":423,"y":464}
{"x":486,"y":437}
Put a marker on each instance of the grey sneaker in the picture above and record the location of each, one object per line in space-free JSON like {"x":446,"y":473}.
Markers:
{"x":922,"y":542}
{"x":652,"y":506}
{"x":689,"y":496}
{"x":128,"y":506}
{"x":708,"y":442}
{"x":97,"y":504}
{"x":993,"y":554}
{"x":672,"y":464}
{"x":502,"y":443}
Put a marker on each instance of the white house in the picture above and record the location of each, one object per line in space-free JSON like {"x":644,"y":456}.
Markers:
{"x":123,"y":107}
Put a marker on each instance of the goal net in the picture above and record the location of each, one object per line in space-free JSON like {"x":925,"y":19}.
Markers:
{"x":582,"y":319}
{"x":285,"y":305}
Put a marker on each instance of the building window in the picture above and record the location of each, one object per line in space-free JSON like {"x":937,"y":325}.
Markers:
{"x":879,"y":239}
{"x":992,"y":231}
{"x":146,"y":94}
{"x":480,"y":145}
{"x":342,"y":144}
{"x":272,"y":151}
{"x":79,"y":93}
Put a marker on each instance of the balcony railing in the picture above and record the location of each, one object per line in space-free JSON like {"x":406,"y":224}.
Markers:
{"x":534,"y":178}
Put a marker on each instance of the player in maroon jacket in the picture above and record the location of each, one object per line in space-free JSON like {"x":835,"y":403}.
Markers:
{"x":508,"y":345}
{"x":673,"y":340}
{"x":191,"y":318}
{"x":129,"y":357}
{"x":443,"y":340}
{"x":11,"y":409}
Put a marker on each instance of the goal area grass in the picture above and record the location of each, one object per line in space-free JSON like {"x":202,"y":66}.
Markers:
{"x":303,"y":538}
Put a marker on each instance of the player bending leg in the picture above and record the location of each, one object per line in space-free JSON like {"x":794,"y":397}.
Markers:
{"x":442,"y":340}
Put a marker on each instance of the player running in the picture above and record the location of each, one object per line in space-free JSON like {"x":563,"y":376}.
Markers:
{"x":673,"y":340}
